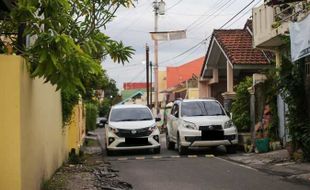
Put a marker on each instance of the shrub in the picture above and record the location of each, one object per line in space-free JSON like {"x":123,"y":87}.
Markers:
{"x":91,"y":115}
{"x":241,"y":106}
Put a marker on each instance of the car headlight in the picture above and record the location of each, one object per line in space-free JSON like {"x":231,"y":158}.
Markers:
{"x":228,"y":124}
{"x":189,"y":125}
{"x":152,"y":128}
{"x":114,"y":130}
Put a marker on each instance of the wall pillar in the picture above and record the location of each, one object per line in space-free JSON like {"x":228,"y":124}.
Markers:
{"x":230,"y":77}
{"x":229,"y":95}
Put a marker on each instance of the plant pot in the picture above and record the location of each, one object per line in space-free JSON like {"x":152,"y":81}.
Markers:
{"x":262,"y":145}
{"x":243,"y":138}
{"x":247,"y":148}
{"x":276,"y":145}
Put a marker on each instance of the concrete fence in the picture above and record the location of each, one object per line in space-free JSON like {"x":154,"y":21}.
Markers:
{"x":33,"y":141}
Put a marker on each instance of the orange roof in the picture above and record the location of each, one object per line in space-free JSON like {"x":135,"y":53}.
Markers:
{"x":237,"y":44}
{"x":177,"y":75}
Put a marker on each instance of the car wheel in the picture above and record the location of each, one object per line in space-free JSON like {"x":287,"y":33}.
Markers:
{"x":170,"y":145}
{"x":181,"y":149}
{"x":232,"y":149}
{"x":157,"y":150}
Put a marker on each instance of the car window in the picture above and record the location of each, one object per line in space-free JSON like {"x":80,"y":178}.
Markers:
{"x":201,"y":108}
{"x":175,"y":109}
{"x":130,"y":114}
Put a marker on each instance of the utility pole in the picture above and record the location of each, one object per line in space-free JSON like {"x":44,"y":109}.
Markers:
{"x":159,"y":8}
{"x":151,"y":85}
{"x":147,"y":75}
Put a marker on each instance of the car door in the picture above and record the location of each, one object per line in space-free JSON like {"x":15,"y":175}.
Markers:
{"x":175,"y":113}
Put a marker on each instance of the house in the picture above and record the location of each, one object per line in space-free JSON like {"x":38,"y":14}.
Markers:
{"x":270,"y":22}
{"x":182,"y":81}
{"x":133,"y":96}
{"x":229,"y":58}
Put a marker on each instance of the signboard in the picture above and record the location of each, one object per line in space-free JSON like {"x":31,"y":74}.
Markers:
{"x":168,"y":35}
{"x":300,"y":38}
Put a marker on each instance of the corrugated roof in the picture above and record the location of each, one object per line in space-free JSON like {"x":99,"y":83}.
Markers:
{"x":177,"y":75}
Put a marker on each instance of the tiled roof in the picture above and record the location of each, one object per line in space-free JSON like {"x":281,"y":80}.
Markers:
{"x":237,"y":45}
{"x":177,"y":75}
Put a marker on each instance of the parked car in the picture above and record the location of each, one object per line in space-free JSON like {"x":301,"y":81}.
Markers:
{"x":131,"y":127}
{"x":200,"y":123}
{"x":100,"y":121}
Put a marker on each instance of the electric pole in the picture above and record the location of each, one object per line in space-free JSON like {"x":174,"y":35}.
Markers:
{"x":147,"y":75}
{"x":151,"y":85}
{"x":159,"y":8}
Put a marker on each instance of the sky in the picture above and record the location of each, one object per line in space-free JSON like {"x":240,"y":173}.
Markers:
{"x":198,"y":17}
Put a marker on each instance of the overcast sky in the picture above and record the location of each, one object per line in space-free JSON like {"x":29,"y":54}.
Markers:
{"x":198,"y":17}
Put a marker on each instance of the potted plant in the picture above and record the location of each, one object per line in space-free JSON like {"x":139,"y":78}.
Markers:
{"x":262,"y":140}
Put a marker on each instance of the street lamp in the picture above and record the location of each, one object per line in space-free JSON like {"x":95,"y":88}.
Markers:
{"x":159,"y":9}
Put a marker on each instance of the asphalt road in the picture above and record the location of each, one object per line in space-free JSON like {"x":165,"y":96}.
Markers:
{"x":202,"y":169}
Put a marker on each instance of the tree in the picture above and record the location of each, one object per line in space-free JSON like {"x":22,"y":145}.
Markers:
{"x":67,"y":43}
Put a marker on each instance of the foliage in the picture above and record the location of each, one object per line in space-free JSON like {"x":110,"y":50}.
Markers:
{"x":69,"y":99}
{"x":270,"y":89}
{"x":91,"y":115}
{"x":291,"y":85}
{"x":67,"y":43}
{"x":241,"y":105}
{"x":104,"y":107}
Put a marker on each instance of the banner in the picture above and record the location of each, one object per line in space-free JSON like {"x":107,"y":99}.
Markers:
{"x":300,"y":38}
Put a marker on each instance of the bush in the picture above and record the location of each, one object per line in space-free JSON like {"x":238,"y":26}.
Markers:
{"x":241,"y":106}
{"x":69,"y":98}
{"x":91,"y":116}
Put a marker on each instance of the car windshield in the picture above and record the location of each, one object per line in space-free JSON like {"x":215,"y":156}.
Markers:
{"x":130,"y":114}
{"x":201,"y":108}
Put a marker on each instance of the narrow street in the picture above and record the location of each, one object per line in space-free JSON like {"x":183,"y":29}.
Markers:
{"x":201,"y":169}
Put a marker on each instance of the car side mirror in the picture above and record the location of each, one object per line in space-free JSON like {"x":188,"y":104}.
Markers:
{"x":228,"y":114}
{"x":157,"y":119}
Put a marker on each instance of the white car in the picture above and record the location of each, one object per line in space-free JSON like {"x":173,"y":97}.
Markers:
{"x":200,"y":123}
{"x":131,"y":127}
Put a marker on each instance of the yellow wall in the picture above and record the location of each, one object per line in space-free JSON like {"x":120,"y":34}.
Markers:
{"x":76,"y":128}
{"x":33,"y":143}
{"x":10,"y":155}
{"x":162,"y":82}
{"x":193,"y":93}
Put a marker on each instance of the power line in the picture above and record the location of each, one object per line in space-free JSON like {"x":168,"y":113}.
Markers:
{"x":200,"y":43}
{"x":245,"y":13}
{"x":229,"y":3}
{"x":197,"y":20}
{"x":174,"y":5}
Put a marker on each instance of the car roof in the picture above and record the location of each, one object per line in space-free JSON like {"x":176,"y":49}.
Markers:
{"x":197,"y":100}
{"x":129,"y":106}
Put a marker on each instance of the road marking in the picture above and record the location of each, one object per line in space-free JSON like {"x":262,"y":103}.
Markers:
{"x":159,"y":157}
{"x":209,"y":156}
{"x":122,"y":159}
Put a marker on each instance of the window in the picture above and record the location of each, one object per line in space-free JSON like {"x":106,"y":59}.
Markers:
{"x":175,"y":110}
{"x":201,"y":108}
{"x":130,"y":114}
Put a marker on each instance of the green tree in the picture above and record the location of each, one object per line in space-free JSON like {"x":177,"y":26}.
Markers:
{"x":241,"y":105}
{"x":67,"y":42}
